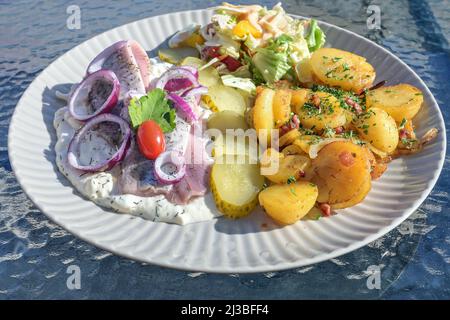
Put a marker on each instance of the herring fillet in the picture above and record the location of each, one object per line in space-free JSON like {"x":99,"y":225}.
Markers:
{"x":129,"y":61}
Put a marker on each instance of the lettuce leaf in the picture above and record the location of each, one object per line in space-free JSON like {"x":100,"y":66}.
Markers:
{"x":315,"y":37}
{"x":272,"y":65}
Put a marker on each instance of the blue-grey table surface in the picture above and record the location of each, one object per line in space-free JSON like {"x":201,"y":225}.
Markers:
{"x":411,"y":262}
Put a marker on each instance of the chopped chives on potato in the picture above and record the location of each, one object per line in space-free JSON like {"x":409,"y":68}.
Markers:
{"x":328,"y":114}
{"x":288,"y":203}
{"x":342,"y":69}
{"x":299,"y":98}
{"x":378,"y":128}
{"x":399,"y":101}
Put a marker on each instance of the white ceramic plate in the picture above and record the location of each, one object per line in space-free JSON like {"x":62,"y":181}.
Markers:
{"x":220,"y":245}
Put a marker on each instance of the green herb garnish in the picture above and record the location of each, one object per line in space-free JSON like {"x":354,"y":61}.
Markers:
{"x":291,"y":179}
{"x":154,"y":106}
{"x":402,"y":124}
{"x":293,"y":191}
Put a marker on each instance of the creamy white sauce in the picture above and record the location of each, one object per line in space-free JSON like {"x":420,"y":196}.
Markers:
{"x":102,"y":187}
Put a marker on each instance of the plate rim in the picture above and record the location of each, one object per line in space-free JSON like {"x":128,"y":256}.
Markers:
{"x":285,"y":265}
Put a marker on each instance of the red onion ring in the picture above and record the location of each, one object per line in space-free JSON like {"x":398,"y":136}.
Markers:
{"x":182,"y":75}
{"x":183,"y":106}
{"x":74,"y":146}
{"x":192,"y":70}
{"x":100,"y":59}
{"x":195,"y":92}
{"x":177,"y":170}
{"x":80,"y":96}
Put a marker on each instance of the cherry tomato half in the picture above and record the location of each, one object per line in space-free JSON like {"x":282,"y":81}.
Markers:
{"x":150,"y":139}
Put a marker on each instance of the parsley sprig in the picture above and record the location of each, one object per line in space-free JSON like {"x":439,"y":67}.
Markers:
{"x":153,"y":106}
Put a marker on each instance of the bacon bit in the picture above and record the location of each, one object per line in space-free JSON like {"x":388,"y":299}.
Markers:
{"x":346,"y":158}
{"x":356,"y":107}
{"x":326,"y":209}
{"x":231,"y":63}
{"x":404,"y":134}
{"x":339,"y":130}
{"x":210,"y":53}
{"x":294,"y":123}
{"x":301,"y":174}
{"x":315,"y":99}
{"x":284,"y":129}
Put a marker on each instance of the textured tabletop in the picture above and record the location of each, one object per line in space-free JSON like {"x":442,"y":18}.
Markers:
{"x":38,"y":258}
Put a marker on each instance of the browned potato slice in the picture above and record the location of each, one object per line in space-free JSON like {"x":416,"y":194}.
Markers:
{"x":281,"y":107}
{"x":263,"y":118}
{"x":342,"y":170}
{"x":290,"y":166}
{"x":306,"y":141}
{"x":289,"y":137}
{"x":377,"y":168}
{"x":322,"y":111}
{"x":292,"y":149}
{"x":324,"y":190}
{"x":357,"y":198}
{"x":342,"y":69}
{"x":286,"y":204}
{"x":400,"y":101}
{"x":378,"y":128}
{"x":299,"y":98}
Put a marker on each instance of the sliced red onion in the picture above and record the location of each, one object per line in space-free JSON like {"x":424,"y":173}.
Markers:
{"x":100,"y":59}
{"x":195,"y":93}
{"x":182,"y":75}
{"x":192,"y":70}
{"x":177,"y":85}
{"x":121,"y":148}
{"x":183,"y":106}
{"x":170,"y":167}
{"x":98,"y":93}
